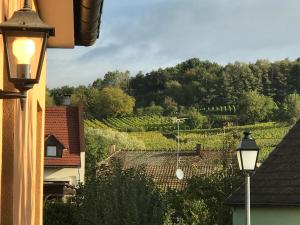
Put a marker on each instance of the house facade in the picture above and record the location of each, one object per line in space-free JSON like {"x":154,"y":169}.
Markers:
{"x":22,"y":131}
{"x":275,"y":186}
{"x":64,"y":164}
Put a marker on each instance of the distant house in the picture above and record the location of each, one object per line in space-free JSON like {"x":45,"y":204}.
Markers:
{"x":162,"y":165}
{"x":64,"y":150}
{"x":275,"y":186}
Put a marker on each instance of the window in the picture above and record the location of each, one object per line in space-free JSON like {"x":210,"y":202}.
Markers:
{"x":53,"y":147}
{"x":51,"y":151}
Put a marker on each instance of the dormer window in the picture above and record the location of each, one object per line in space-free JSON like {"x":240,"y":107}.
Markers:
{"x":53,"y":147}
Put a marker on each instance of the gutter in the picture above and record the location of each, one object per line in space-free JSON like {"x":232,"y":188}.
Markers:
{"x":263,"y":205}
{"x":87,"y":19}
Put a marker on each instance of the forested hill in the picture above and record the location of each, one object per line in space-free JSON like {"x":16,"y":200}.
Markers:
{"x":193,"y":83}
{"x":209,"y":84}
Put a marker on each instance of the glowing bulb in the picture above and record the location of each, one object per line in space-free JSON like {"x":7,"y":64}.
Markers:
{"x":23,"y":50}
{"x":179,"y":174}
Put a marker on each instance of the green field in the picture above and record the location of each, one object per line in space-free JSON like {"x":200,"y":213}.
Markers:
{"x":141,"y":123}
{"x":157,"y":122}
{"x":96,"y":124}
{"x":267,"y":136}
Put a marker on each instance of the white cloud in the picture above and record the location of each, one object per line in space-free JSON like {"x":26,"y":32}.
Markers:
{"x":145,"y":35}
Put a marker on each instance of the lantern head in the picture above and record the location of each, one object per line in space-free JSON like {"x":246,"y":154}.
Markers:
{"x":25,"y":41}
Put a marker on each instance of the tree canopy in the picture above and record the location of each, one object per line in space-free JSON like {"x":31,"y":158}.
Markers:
{"x":113,"y":102}
{"x":291,"y":108}
{"x":119,"y":196}
{"x":192,"y":83}
{"x":254,"y":107}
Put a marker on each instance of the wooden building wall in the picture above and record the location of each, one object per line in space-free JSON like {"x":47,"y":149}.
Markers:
{"x":21,"y":146}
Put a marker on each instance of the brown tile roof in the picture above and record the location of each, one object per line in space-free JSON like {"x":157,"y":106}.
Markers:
{"x":65,"y":123}
{"x":161,"y":165}
{"x":277,"y":181}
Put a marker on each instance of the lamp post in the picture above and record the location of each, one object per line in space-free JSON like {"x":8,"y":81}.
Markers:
{"x":179,"y":172}
{"x":247,"y":154}
{"x":25,"y":41}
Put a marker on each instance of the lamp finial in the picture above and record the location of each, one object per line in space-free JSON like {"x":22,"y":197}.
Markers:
{"x":247,"y":134}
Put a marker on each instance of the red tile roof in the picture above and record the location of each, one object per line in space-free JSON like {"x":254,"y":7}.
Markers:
{"x":162,"y":165}
{"x":66,"y":124}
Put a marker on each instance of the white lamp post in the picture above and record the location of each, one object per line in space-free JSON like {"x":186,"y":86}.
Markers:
{"x":179,"y":172}
{"x":247,"y":154}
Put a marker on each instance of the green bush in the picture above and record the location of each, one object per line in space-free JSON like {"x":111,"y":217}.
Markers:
{"x":254,"y":107}
{"x":98,"y":144}
{"x":201,"y":203}
{"x":113,"y":102}
{"x":290,"y":109}
{"x":215,"y":120}
{"x":153,"y":110}
{"x":195,"y":120}
{"x":117,"y":196}
{"x":59,"y":213}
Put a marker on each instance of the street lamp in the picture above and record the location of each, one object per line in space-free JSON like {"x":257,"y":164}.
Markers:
{"x":247,"y":154}
{"x":25,"y":41}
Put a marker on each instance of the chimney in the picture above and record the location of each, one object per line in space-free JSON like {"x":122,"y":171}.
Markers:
{"x":66,"y":100}
{"x":198,"y":149}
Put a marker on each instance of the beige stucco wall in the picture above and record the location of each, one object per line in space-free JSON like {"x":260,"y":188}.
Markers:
{"x":82,"y":168}
{"x":71,"y":175}
{"x":268,"y":216}
{"x":21,"y":146}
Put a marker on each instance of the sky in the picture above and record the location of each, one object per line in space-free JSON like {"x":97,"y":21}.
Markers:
{"x":143,"y":35}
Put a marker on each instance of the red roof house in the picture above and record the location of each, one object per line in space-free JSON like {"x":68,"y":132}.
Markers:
{"x":161,"y":166}
{"x":64,"y":147}
{"x":64,"y":123}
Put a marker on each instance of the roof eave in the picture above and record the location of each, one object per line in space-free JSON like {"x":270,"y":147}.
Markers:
{"x":87,"y":19}
{"x":62,"y":166}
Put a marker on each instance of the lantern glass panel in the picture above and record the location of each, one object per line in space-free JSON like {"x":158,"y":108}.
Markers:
{"x":249,"y":159}
{"x":23,"y":51}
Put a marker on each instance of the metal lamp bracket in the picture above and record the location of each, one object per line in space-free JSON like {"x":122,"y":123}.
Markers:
{"x":14,"y":95}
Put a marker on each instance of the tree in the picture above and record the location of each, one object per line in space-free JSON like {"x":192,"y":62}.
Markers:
{"x":112,"y":102}
{"x":174,"y":90}
{"x":49,"y":100}
{"x":237,"y":78}
{"x":87,"y":96}
{"x":294,"y":77}
{"x":280,"y":74}
{"x":290,"y":109}
{"x":195,"y":119}
{"x":153,"y":109}
{"x":170,"y":106}
{"x":98,"y":83}
{"x":262,"y":68}
{"x":98,"y":143}
{"x":58,"y":93}
{"x":254,"y":107}
{"x":119,"y":196}
{"x":210,"y":192}
{"x":116,"y":79}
